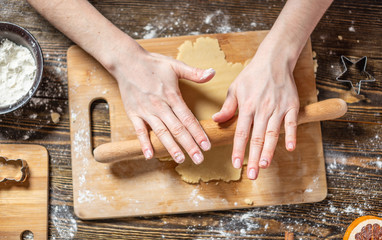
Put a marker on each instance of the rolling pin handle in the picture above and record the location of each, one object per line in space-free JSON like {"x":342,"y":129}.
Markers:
{"x":218,"y":133}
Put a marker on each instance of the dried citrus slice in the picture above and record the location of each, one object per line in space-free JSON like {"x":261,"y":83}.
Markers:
{"x":365,"y":228}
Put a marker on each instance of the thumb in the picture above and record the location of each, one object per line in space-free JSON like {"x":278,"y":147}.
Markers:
{"x":228,"y":109}
{"x":193,"y":74}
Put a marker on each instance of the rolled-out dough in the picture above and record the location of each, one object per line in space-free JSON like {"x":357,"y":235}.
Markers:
{"x":204,"y":100}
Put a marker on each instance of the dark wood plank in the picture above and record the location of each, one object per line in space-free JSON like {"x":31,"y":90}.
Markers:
{"x":352,"y":145}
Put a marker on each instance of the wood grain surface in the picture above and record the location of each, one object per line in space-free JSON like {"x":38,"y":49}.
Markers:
{"x":352,"y":145}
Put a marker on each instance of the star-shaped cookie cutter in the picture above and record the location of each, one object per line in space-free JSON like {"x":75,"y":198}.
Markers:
{"x":359,"y":69}
{"x":23,"y":169}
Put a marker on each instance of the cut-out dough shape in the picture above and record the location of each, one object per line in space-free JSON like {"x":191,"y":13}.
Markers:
{"x":204,"y":100}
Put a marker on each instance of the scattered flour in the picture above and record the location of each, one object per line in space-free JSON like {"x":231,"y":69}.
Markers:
{"x":87,"y":196}
{"x":351,"y":209}
{"x":224,"y":26}
{"x":151,"y":32}
{"x":332,"y":209}
{"x":33,"y":116}
{"x":378,"y":164}
{"x":195,"y":198}
{"x":17,"y":72}
{"x":240,"y":224}
{"x":253,"y":24}
{"x":216,"y":21}
{"x":308,"y":190}
{"x":64,"y":222}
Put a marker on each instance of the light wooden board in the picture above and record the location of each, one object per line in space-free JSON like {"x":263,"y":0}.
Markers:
{"x":138,"y":188}
{"x":24,"y":206}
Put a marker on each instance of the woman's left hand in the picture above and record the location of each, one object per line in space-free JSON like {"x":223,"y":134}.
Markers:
{"x":265,"y":94}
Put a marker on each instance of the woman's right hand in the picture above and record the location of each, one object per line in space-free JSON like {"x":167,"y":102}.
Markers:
{"x":149,"y":88}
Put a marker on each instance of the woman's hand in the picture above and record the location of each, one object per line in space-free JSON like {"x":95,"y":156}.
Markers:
{"x":148,"y":83}
{"x":265,"y":94}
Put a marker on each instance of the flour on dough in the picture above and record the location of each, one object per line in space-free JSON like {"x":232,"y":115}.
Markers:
{"x":204,"y":100}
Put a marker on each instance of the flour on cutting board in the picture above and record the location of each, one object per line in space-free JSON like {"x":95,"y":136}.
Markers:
{"x":87,"y":196}
{"x":81,"y":146}
{"x":195,"y":198}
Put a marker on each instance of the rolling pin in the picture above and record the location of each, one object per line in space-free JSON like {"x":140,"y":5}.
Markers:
{"x":219,"y":133}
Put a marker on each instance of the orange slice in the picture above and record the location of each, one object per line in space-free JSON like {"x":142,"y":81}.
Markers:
{"x":365,"y":228}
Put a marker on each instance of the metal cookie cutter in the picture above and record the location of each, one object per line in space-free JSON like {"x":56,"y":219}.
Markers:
{"x":355,"y":72}
{"x":23,"y":169}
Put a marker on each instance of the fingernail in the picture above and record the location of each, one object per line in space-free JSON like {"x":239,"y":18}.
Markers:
{"x":205,"y":145}
{"x":207,"y":73}
{"x":263,"y":163}
{"x":290,"y":146}
{"x":179,"y":157}
{"x":148,"y":154}
{"x":237,"y":163}
{"x":252,"y":174}
{"x":198,"y":158}
{"x":215,"y":115}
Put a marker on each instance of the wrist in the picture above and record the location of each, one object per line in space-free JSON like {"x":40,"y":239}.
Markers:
{"x":279,"y":47}
{"x":122,"y":52}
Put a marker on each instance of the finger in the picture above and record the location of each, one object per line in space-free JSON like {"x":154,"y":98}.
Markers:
{"x":228,"y":109}
{"x":183,"y":137}
{"x":241,"y":138}
{"x":191,"y":73}
{"x":256,"y":145}
{"x":188,"y":120}
{"x":166,"y":138}
{"x":291,"y":129}
{"x":143,"y":136}
{"x":271,"y":139}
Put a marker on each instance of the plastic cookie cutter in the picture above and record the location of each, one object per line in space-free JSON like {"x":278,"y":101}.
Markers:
{"x":20,"y":177}
{"x":355,"y":73}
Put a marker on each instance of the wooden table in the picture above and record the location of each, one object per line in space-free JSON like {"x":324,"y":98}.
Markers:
{"x":352,"y":144}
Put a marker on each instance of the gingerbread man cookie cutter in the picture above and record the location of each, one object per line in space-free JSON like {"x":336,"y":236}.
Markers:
{"x":24,"y":170}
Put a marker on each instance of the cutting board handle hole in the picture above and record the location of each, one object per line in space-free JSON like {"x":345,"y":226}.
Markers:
{"x":27,"y":235}
{"x":100,"y":122}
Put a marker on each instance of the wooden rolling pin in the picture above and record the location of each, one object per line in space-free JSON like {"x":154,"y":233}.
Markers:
{"x":219,"y":134}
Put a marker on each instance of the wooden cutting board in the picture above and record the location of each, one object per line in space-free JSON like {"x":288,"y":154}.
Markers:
{"x":24,"y":206}
{"x":138,"y":188}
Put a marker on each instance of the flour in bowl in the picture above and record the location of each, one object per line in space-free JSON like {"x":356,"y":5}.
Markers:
{"x":17,"y":72}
